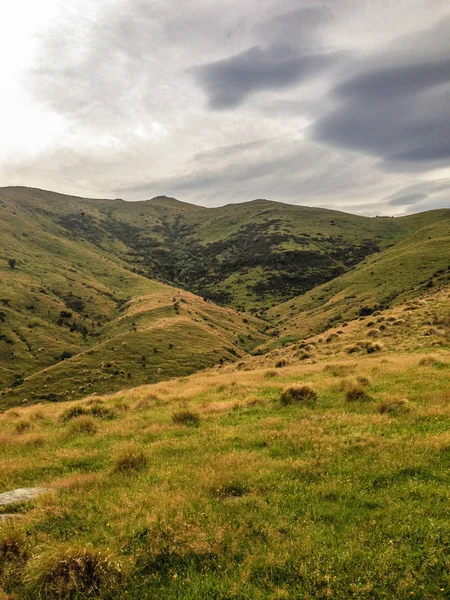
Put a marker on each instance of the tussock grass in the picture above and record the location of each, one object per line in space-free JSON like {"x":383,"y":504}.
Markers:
{"x":130,"y":459}
{"x":299,"y":394}
{"x":84,"y":424}
{"x":186,"y":417}
{"x":72,"y":572}
{"x":257,"y":502}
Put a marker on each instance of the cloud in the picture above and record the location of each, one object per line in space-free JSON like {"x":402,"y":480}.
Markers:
{"x":407,"y":199}
{"x":229,"y":82}
{"x":397,"y":108}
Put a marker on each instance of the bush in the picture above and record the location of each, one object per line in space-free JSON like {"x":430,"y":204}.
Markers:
{"x":72,"y":572}
{"x":186,"y":417}
{"x":298,"y":394}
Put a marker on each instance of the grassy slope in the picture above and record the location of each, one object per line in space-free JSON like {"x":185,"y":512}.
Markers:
{"x":399,"y":272}
{"x":250,"y":255}
{"x":55,"y":274}
{"x":338,"y":500}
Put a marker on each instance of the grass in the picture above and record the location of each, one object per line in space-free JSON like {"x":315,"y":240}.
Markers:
{"x":334,"y":499}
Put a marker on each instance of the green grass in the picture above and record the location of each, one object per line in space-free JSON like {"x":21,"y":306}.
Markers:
{"x":209,"y":486}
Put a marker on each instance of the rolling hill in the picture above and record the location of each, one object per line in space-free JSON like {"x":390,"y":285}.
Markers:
{"x":99,"y":295}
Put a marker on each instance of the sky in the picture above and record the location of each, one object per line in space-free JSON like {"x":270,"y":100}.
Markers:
{"x":342,"y":104}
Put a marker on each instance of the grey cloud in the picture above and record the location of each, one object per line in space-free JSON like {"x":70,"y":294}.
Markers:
{"x":299,"y":24}
{"x":400,"y":113}
{"x":228,"y":82}
{"x":407,"y":199}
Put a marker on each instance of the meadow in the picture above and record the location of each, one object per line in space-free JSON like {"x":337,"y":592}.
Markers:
{"x":315,"y":470}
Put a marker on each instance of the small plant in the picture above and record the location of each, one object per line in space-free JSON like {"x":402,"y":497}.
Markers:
{"x":72,"y":412}
{"x":339,"y":370}
{"x":186,"y":417}
{"x":298,"y":394}
{"x":270,"y":374}
{"x":12,"y":544}
{"x":280,"y":364}
{"x":72,"y":572}
{"x":372,"y":348}
{"x":130,"y":460}
{"x":373,"y":332}
{"x":12,"y":263}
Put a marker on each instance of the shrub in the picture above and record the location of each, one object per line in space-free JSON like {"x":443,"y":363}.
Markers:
{"x":130,"y":460}
{"x":373,"y":332}
{"x":298,"y":394}
{"x":186,"y":417}
{"x":72,"y":572}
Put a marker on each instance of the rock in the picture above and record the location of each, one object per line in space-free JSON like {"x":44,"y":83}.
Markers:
{"x":21,"y":495}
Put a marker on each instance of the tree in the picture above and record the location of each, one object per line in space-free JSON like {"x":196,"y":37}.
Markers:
{"x":12,"y":263}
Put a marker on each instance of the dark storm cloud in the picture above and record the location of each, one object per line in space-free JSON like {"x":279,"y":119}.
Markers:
{"x":399,"y":113}
{"x":228,"y":82}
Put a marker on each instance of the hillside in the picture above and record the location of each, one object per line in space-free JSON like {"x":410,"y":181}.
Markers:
{"x":67,"y":307}
{"x":418,"y":262}
{"x":91,"y":298}
{"x":232,"y":483}
{"x":248,"y":255}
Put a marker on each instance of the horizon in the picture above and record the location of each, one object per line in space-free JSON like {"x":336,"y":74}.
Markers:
{"x":164,"y":196}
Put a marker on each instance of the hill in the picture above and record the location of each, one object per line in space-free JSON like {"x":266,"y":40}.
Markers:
{"x":248,"y":255}
{"x":68,"y":306}
{"x":419,"y":261}
{"x":309,"y":472}
{"x":90,"y":297}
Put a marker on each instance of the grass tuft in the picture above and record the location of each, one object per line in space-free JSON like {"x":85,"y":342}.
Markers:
{"x":130,"y":459}
{"x":186,"y":417}
{"x":73,"y":572}
{"x":298,"y":394}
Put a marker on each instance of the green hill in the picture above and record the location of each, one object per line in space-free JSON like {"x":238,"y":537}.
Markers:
{"x":95,"y":294}
{"x":419,"y":261}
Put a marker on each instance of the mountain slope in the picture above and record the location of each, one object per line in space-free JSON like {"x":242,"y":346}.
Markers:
{"x":62,"y":297}
{"x":417,"y":262}
{"x":249,"y":255}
